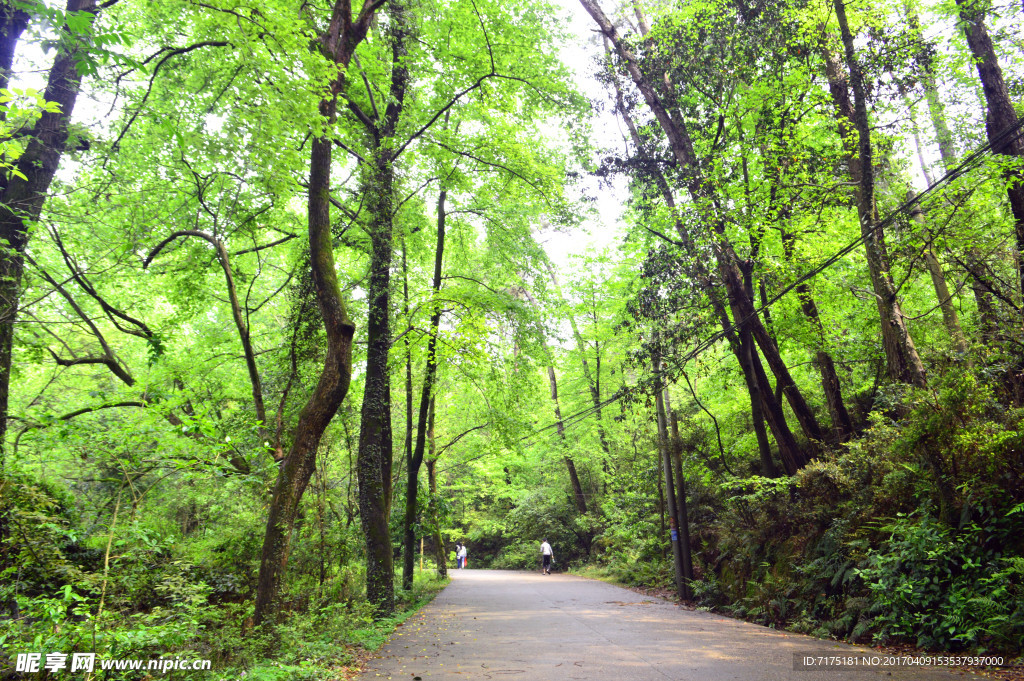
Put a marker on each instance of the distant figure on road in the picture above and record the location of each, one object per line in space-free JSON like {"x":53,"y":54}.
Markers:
{"x":458,"y":555}
{"x":462,"y":554}
{"x":547,"y":555}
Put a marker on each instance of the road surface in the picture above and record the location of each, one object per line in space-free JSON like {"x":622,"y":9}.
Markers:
{"x":492,"y":624}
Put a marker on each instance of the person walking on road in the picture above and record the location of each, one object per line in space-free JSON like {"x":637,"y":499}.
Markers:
{"x":547,"y":556}
{"x":463,"y":553}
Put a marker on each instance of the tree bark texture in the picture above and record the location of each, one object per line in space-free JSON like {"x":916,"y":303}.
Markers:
{"x":408,"y":356}
{"x":21,"y":199}
{"x":1000,"y":116}
{"x":902,"y":360}
{"x":374,"y":461}
{"x":338,"y":43}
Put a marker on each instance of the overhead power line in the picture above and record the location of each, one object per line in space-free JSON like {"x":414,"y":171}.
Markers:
{"x":971,"y":162}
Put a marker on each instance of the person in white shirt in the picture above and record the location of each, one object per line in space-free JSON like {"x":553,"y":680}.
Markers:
{"x":547,"y":555}
{"x":462,"y":556}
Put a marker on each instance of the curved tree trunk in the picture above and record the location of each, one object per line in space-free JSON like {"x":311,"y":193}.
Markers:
{"x":338,"y":42}
{"x":297,"y":467}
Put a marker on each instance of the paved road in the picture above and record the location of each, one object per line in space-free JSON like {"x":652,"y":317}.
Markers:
{"x":490,"y":624}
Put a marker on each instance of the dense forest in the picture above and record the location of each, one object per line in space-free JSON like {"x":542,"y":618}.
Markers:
{"x":296,"y":295}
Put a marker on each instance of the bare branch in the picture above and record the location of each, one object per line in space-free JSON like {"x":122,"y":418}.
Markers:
{"x":254,"y":249}
{"x":236,"y":313}
{"x":152,"y":79}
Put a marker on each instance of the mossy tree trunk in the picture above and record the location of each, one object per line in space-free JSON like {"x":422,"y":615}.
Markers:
{"x":338,"y":43}
{"x":374,"y":461}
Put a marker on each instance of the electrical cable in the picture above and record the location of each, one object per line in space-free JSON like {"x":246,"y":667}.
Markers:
{"x":970,"y":163}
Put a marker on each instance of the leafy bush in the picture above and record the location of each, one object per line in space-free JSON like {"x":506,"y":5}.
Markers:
{"x":519,"y":556}
{"x":946,"y":589}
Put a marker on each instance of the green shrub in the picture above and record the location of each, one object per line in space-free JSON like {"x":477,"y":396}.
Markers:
{"x":945,"y":589}
{"x":518,"y":556}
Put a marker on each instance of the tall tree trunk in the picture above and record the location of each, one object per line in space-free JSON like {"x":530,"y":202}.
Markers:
{"x":902,"y":361}
{"x":374,"y":461}
{"x":758,"y":396}
{"x":1000,"y":116}
{"x":570,"y":465}
{"x":338,"y":42}
{"x":664,"y":447}
{"x":22,"y":198}
{"x":375,"y":458}
{"x":435,"y":521}
{"x":408,"y":356}
{"x":581,"y":347}
{"x":681,"y":508}
{"x":426,"y":399}
{"x":744,"y":310}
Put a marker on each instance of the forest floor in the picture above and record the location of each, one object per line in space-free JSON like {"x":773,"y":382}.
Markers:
{"x":499,"y":624}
